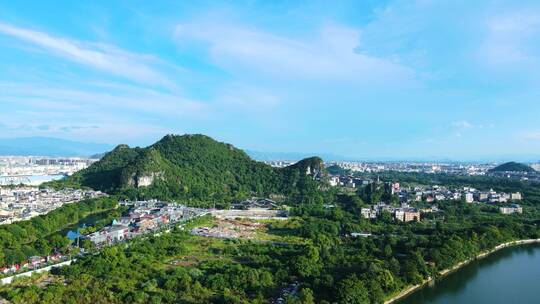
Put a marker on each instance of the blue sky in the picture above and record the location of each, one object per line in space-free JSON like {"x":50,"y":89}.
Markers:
{"x":366,"y":79}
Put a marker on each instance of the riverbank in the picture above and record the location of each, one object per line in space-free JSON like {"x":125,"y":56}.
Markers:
{"x":445,"y":272}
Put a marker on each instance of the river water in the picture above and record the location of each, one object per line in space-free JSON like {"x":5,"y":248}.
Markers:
{"x":36,"y":180}
{"x":511,"y":275}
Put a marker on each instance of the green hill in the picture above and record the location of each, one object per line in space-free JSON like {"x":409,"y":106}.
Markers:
{"x":337,"y":170}
{"x":512,"y":167}
{"x":193,"y":168}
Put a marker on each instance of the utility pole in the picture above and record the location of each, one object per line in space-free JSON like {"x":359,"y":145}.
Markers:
{"x":78,"y":236}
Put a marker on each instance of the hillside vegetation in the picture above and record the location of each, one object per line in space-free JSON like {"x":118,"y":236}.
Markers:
{"x":194,"y":168}
{"x":325,"y":263}
{"x":512,"y":167}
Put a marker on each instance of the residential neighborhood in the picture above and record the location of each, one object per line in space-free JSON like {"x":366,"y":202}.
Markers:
{"x":34,"y":262}
{"x":144,"y":217}
{"x":425,"y":194}
{"x":19,"y":203}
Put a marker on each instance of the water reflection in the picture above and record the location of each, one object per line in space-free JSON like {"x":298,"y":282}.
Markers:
{"x":493,"y":279}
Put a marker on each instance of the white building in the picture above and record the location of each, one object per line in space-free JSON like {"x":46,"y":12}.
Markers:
{"x":368,"y":213}
{"x":514,"y":208}
{"x":515,"y":196}
{"x":334,"y":181}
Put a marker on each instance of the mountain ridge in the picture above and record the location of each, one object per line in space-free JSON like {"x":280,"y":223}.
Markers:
{"x":192,"y":167}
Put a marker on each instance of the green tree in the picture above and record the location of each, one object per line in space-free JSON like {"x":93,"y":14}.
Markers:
{"x":352,"y":291}
{"x":306,"y":296}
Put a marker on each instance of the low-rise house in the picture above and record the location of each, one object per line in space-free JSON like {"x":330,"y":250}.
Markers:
{"x":98,"y":237}
{"x":334,"y":181}
{"x":399,"y":214}
{"x":406,"y":214}
{"x":515,"y":196}
{"x":439,"y":197}
{"x":117,"y":233}
{"x":411,"y":215}
{"x":368,"y":213}
{"x":36,"y":261}
{"x":468,"y":197}
{"x":54,"y":257}
{"x":109,"y":234}
{"x":514,"y":208}
{"x":482,"y":196}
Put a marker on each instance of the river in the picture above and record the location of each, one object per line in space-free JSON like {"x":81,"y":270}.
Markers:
{"x":36,"y":180}
{"x":510,"y":275}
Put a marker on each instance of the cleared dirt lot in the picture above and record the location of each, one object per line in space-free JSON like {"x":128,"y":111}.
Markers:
{"x":230,"y":229}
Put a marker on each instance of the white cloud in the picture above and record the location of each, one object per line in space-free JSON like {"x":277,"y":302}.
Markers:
{"x":100,"y":98}
{"x":511,"y":37}
{"x":530,"y":135}
{"x":119,"y":131}
{"x":248,"y":98}
{"x":462,"y":124}
{"x":104,"y":112}
{"x":102,"y":57}
{"x":330,"y":55}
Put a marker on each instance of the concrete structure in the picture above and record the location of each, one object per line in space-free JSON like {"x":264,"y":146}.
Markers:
{"x":360,"y":234}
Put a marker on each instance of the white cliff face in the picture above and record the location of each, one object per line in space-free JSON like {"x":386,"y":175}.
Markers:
{"x":315,"y":172}
{"x":145,"y":181}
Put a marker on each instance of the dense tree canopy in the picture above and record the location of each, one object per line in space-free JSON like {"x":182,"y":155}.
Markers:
{"x":329,"y":264}
{"x":44,"y":234}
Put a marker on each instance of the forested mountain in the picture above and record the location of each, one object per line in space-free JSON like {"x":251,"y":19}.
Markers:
{"x":512,"y":167}
{"x":193,"y":167}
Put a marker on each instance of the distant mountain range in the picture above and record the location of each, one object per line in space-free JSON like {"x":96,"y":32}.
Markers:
{"x":48,"y":146}
{"x":293,"y":156}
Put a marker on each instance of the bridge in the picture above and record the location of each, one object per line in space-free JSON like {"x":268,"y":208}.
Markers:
{"x":6,"y":180}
